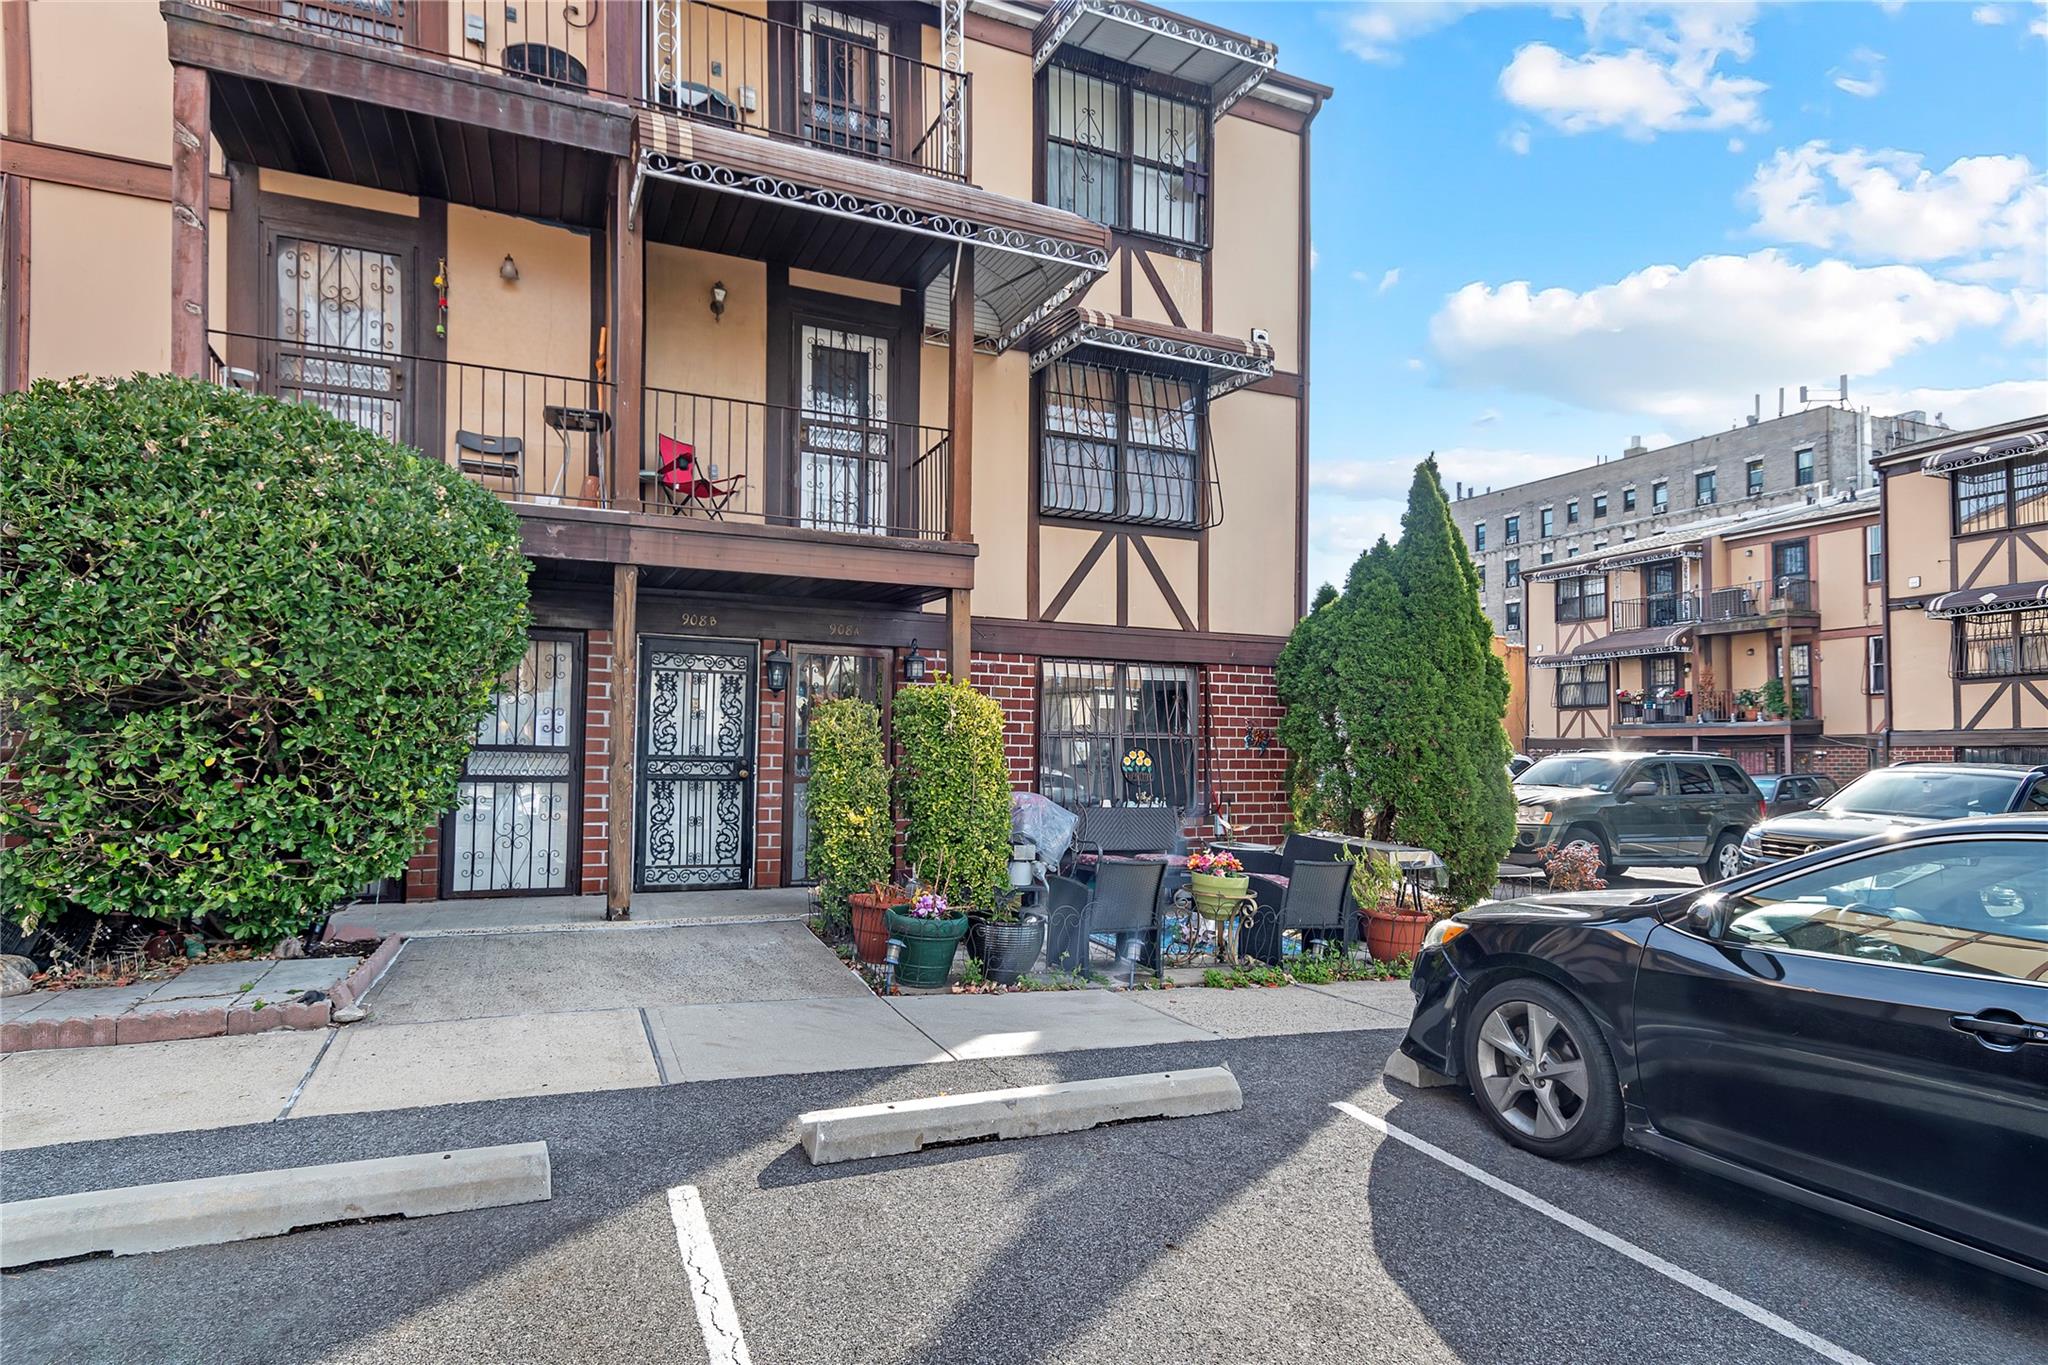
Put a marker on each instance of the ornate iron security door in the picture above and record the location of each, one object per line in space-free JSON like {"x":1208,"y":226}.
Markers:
{"x":696,"y":764}
{"x":514,"y":825}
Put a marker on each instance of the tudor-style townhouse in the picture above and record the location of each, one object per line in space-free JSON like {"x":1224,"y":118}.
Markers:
{"x":1966,"y":584}
{"x":1673,"y":640}
{"x":816,"y":345}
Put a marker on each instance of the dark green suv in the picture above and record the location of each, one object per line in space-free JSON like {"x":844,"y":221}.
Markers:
{"x":1638,"y":810}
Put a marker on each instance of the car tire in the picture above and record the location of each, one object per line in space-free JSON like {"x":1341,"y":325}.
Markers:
{"x":1584,"y":834}
{"x":1724,"y":860}
{"x":1563,"y":1101}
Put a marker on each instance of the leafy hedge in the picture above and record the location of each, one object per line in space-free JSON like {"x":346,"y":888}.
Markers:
{"x":245,"y":646}
{"x":847,"y":801}
{"x":954,"y":789}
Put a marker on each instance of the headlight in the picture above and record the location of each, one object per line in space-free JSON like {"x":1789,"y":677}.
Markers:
{"x":1534,"y":815}
{"x":1442,"y":932}
{"x":1754,"y":839}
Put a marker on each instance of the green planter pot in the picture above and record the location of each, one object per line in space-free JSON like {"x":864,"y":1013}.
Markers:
{"x":928,"y":946}
{"x":1218,"y":896}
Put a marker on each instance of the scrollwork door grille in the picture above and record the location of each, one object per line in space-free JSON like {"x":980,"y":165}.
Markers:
{"x":696,"y":742}
{"x":514,"y":827}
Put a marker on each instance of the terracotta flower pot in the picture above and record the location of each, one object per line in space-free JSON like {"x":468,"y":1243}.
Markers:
{"x":870,"y":932}
{"x":1395,"y":933}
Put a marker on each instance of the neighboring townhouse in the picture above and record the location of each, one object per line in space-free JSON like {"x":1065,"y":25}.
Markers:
{"x":1966,"y":574}
{"x":1674,"y":640}
{"x":816,"y":345}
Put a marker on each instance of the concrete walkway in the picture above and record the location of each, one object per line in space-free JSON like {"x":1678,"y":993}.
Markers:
{"x":473,"y":1017}
{"x":556,"y":914}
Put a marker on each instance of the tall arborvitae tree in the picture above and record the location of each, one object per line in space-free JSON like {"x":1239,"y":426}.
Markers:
{"x":1319,"y":766}
{"x":1459,"y":802}
{"x":1378,"y":704}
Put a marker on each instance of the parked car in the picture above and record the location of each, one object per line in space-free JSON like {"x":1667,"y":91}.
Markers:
{"x":1899,"y":797}
{"x":1786,"y":792}
{"x":1519,"y":764}
{"x":1637,"y":810}
{"x":1863,"y":1030}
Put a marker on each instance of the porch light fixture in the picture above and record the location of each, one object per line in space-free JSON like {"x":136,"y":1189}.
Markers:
{"x":913,"y":665}
{"x":777,"y":671}
{"x":718,"y":300}
{"x":508,"y":269}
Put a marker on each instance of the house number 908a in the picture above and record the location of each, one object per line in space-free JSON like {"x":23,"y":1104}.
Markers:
{"x":842,"y":632}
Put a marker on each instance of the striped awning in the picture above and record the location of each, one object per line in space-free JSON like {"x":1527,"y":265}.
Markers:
{"x":2004,"y":597}
{"x":1227,"y":65}
{"x":1622,"y":644}
{"x":1227,"y":363}
{"x":1987,"y":452}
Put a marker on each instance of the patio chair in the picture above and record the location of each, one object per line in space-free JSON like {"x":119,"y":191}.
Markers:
{"x":684,"y":485}
{"x":1312,"y":899}
{"x":1109,"y":830}
{"x":491,"y":458}
{"x":1124,"y":900}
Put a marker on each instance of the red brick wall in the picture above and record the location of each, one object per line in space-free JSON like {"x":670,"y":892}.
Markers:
{"x":1250,"y":784}
{"x":770,"y":736}
{"x":1842,"y":762}
{"x":1012,"y":679}
{"x":423,"y":871}
{"x":1924,"y":753}
{"x":597,"y":758}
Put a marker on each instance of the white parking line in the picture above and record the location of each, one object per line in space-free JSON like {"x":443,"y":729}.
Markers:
{"x":716,"y":1315}
{"x":1762,"y":1316}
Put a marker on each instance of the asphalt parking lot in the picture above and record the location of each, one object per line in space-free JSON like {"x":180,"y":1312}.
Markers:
{"x":1291,"y":1231}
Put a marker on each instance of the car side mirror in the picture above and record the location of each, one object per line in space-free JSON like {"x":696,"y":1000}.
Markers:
{"x":1642,"y":786}
{"x":1708,"y":917}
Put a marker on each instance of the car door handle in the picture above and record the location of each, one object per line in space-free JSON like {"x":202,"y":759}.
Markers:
{"x":2010,"y":1031}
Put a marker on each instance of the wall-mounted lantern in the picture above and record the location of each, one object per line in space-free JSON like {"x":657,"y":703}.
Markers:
{"x":776,"y":673}
{"x":718,"y":300}
{"x":508,"y":269}
{"x":913,"y":665}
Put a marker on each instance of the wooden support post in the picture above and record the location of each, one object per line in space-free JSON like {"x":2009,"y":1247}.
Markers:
{"x":960,"y":472}
{"x":619,"y":855}
{"x":628,"y":344}
{"x":1785,"y":673}
{"x":191,"y":140}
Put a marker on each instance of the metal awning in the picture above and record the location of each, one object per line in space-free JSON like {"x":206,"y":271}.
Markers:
{"x":2004,"y":597}
{"x":1622,"y":644}
{"x":1226,"y":363}
{"x":722,"y":190}
{"x":1606,"y":561}
{"x":1988,"y":452}
{"x":1228,"y":65}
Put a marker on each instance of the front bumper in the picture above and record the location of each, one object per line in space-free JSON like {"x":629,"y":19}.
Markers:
{"x":1534,"y":843}
{"x":1433,"y":1029}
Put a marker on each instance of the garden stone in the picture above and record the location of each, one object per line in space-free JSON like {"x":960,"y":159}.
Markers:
{"x":351,"y":1014}
{"x":14,"y":981}
{"x":289,"y":949}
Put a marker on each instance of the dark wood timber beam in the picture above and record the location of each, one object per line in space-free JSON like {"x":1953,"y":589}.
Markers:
{"x":620,"y":796}
{"x":960,"y":474}
{"x":627,"y":344}
{"x":738,"y":548}
{"x":191,"y":139}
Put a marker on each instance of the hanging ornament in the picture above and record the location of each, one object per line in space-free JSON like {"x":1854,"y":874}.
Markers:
{"x":441,"y":299}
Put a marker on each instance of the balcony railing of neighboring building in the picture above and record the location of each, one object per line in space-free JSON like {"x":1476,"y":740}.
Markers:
{"x":1672,"y":710}
{"x":1765,"y":598}
{"x":809,"y":468}
{"x":1659,"y":609}
{"x":1711,"y":706}
{"x":831,"y":81}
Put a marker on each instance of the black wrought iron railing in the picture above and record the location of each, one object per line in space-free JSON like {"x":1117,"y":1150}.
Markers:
{"x":1659,"y":609}
{"x":734,"y":459}
{"x":847,"y":81}
{"x":1764,"y":598}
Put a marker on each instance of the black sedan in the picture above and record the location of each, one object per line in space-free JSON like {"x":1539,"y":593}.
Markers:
{"x":1863,"y":1030}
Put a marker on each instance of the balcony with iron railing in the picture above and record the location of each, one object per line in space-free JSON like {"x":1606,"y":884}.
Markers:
{"x":833,"y":81}
{"x":1668,"y":711}
{"x":1761,"y":601}
{"x":1658,"y":609}
{"x":543,"y":442}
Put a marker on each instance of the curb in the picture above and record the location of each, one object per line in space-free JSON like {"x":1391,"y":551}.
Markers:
{"x":871,"y":1130}
{"x":232,"y":1208}
{"x":357,"y":983}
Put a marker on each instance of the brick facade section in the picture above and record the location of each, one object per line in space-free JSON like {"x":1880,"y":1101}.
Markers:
{"x":1012,"y":679}
{"x":770,"y":775}
{"x":423,"y":869}
{"x":1250,"y":784}
{"x":597,"y":758}
{"x":1924,"y":753}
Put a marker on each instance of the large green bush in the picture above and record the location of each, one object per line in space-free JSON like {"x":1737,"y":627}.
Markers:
{"x":847,"y":801}
{"x":245,"y":646}
{"x":954,"y":789}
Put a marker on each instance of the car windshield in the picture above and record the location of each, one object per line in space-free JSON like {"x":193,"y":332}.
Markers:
{"x":1931,"y":795}
{"x":1767,"y":785}
{"x":1574,"y":770}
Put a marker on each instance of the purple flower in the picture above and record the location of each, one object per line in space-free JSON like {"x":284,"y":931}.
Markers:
{"x":930,"y":905}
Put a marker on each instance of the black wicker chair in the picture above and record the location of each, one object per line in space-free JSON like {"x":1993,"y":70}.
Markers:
{"x":1125,"y":900}
{"x":1316,"y":904}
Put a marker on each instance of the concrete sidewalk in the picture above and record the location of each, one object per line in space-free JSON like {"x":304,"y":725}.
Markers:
{"x":562,"y":914}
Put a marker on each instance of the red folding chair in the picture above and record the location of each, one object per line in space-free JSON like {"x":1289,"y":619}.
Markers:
{"x":684,"y":485}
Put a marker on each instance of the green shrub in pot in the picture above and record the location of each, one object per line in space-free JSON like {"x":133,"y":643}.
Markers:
{"x":847,"y":797}
{"x":953,"y":789}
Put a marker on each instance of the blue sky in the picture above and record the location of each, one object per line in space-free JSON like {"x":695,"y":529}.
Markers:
{"x":1541,"y":229}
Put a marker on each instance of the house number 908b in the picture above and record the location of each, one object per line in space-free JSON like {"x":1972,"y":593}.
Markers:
{"x":691,"y":618}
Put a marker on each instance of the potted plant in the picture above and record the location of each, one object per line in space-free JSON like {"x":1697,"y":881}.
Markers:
{"x":1390,"y":931}
{"x":851,"y":832}
{"x":1779,"y":702}
{"x":1004,"y":943}
{"x":1218,"y":882}
{"x":870,"y":909}
{"x":930,"y":930}
{"x":1746,"y":703}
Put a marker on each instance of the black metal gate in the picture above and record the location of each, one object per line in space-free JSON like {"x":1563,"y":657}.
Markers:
{"x":514,"y":827}
{"x":696,"y":763}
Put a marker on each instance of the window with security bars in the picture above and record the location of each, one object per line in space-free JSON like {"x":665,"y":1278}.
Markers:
{"x":2002,"y":644}
{"x":1120,"y":445}
{"x":1127,"y":158}
{"x":1582,"y":599}
{"x":2001,"y":496}
{"x":1116,"y":734}
{"x":1582,"y":687}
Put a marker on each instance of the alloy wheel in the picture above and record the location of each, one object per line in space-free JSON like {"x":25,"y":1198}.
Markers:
{"x":1728,"y":861}
{"x":1532,"y":1069}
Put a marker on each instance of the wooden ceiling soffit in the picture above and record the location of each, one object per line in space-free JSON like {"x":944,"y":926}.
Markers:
{"x":1028,"y":259}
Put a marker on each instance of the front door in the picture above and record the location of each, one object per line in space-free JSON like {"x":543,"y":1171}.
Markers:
{"x":696,"y":764}
{"x":513,"y":829}
{"x":817,"y":674}
{"x":339,"y":331}
{"x":1875,"y":1028}
{"x":845,"y":461}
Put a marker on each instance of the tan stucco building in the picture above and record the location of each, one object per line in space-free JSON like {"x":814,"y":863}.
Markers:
{"x":804,"y":338}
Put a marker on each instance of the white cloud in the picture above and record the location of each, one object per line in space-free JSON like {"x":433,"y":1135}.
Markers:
{"x":1360,"y":277}
{"x":1862,"y":75}
{"x":1516,"y":140}
{"x":1390,"y":279}
{"x":2029,"y":325}
{"x":1963,"y":408}
{"x":1736,"y":144}
{"x":1315,"y":258}
{"x":1375,"y":32}
{"x":1987,"y":216}
{"x":1694,"y":341}
{"x":1413,"y":363}
{"x":1649,"y":69}
{"x":1990,"y":14}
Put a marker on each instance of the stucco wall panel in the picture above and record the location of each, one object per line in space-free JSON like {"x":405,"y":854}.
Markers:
{"x":1921,"y":691}
{"x":690,"y":354}
{"x":1060,"y":551}
{"x":1180,"y":562}
{"x":1251,"y":555}
{"x":117,"y":98}
{"x":1002,"y":477}
{"x":1001,"y":118}
{"x":1916,"y":533}
{"x":1257,"y":252}
{"x":336,"y":192}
